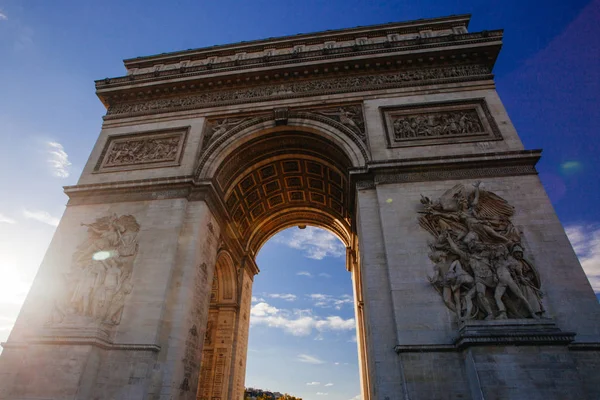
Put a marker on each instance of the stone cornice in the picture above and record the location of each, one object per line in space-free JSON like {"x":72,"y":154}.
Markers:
{"x":415,"y":26}
{"x":407,"y":49}
{"x":471,"y":166}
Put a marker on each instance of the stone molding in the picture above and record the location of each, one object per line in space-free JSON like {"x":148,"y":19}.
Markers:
{"x":396,"y":118}
{"x":525,"y":332}
{"x":79,"y":341}
{"x":471,"y":166}
{"x":303,"y":88}
{"x":513,"y":331}
{"x":296,"y":55}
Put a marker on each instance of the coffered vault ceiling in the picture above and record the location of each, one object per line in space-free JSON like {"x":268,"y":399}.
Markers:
{"x":260,"y":182}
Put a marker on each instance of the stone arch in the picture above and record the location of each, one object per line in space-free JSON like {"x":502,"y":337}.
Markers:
{"x":220,"y":148}
{"x":225,"y":276}
{"x":270,"y":178}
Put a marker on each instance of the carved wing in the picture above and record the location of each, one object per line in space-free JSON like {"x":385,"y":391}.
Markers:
{"x":492,"y":206}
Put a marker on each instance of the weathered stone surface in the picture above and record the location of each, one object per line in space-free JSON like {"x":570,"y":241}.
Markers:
{"x":344,"y":130}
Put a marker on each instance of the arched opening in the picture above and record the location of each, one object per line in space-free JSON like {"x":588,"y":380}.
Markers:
{"x":302,"y":338}
{"x":270,"y":179}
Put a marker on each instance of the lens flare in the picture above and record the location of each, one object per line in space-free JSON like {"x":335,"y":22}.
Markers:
{"x":101,"y":255}
{"x":571,"y":167}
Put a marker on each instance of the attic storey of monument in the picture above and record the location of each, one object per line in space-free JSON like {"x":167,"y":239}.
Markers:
{"x":392,"y":137}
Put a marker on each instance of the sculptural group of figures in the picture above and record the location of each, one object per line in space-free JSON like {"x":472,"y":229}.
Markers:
{"x":480,"y":269}
{"x":438,"y":124}
{"x":143,"y":150}
{"x":100,"y":275}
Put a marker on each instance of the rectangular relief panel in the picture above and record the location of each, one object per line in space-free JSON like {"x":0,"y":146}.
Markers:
{"x":439,"y":123}
{"x":155,"y":149}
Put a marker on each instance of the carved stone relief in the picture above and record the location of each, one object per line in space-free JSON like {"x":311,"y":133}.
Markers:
{"x":146,"y":150}
{"x":99,"y":278}
{"x":301,"y":88}
{"x":216,"y":128}
{"x":480,"y":268}
{"x":349,"y":116}
{"x":440,"y":123}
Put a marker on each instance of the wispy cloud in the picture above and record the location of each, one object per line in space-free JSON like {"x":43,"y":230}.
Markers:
{"x":257,"y":299}
{"x":586,"y":243}
{"x":304,"y":273}
{"x":328,"y":301}
{"x":58,"y":159}
{"x":324,"y":275}
{"x":6,"y":220}
{"x":3,"y":16}
{"x":297,"y":322}
{"x":312,"y":383}
{"x":305,"y":358}
{"x":328,"y":384}
{"x":357,"y":397}
{"x":41,"y":216}
{"x":282,"y":296}
{"x":322,"y":394}
{"x":315,"y":242}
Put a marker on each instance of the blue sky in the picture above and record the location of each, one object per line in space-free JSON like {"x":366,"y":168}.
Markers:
{"x":548,"y":76}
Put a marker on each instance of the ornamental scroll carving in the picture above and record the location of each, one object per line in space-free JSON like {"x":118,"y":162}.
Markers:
{"x":142,"y":150}
{"x":99,"y":279}
{"x":480,"y":269}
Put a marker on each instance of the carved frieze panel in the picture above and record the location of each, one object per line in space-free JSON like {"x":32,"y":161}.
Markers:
{"x":481,"y":267}
{"x":142,"y":150}
{"x":439,"y":123}
{"x":294,"y":89}
{"x":99,"y":278}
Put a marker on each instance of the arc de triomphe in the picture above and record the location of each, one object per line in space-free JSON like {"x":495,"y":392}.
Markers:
{"x":392,"y":137}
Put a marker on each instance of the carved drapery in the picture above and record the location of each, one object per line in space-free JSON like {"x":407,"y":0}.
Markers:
{"x":99,"y":279}
{"x":480,"y":269}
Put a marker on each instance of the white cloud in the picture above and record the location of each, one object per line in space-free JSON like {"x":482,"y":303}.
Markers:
{"x":3,"y":16}
{"x":324,"y":275}
{"x":328,"y":301}
{"x":329,"y":384}
{"x":352,"y":339}
{"x":282,"y":296}
{"x":304,"y":273}
{"x":313,"y":383}
{"x":58,"y":159}
{"x":322,"y":394}
{"x":357,"y":397}
{"x":315,"y":242}
{"x":305,"y":358}
{"x":297,"y":322}
{"x":41,"y":216}
{"x":7,"y":220}
{"x":586,"y":243}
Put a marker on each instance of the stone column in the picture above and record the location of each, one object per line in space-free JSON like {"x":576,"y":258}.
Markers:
{"x":384,"y":371}
{"x":240,"y":343}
